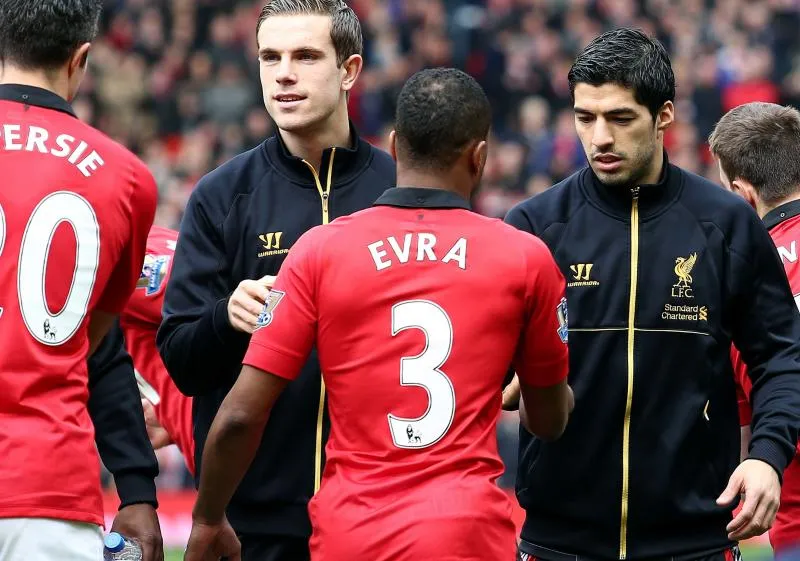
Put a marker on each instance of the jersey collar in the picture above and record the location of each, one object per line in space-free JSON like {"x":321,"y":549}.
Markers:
{"x":781,"y":213}
{"x":421,"y":197}
{"x":31,"y":95}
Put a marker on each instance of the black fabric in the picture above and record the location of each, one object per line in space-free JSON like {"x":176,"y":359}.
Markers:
{"x":421,"y":197}
{"x":274,"y":548}
{"x":528,"y":551}
{"x":120,"y":433}
{"x":781,"y":213}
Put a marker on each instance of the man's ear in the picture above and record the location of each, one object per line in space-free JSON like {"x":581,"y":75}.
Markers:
{"x":393,"y":145}
{"x":745,"y":190}
{"x":79,"y":58}
{"x":478,"y":158}
{"x":665,"y":116}
{"x":352,"y":69}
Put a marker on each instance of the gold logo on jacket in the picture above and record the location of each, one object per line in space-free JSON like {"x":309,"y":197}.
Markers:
{"x":582,"y":273}
{"x":683,"y":269}
{"x":271,"y":242}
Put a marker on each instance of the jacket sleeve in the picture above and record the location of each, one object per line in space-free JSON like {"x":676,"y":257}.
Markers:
{"x":120,"y":433}
{"x":766,"y":330}
{"x":197,"y":343}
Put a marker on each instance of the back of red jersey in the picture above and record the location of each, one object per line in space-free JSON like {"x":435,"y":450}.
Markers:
{"x":75,"y":209}
{"x":140,"y":321}
{"x":417,"y":314}
{"x":785,"y":532}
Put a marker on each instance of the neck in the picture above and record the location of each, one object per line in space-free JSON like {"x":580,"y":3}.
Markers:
{"x":309,"y":144}
{"x":656,"y":166}
{"x":763,"y":208}
{"x":51,"y":81}
{"x":421,"y":178}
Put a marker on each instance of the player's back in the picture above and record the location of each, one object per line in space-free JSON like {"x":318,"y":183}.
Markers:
{"x":420,"y":314}
{"x":139,"y":322}
{"x":72,"y":209}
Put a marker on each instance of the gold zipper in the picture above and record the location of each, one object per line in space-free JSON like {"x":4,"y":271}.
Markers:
{"x":626,"y":427}
{"x":324,"y":195}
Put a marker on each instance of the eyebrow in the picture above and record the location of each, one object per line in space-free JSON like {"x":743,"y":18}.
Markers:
{"x":268,"y":51}
{"x":618,"y":111}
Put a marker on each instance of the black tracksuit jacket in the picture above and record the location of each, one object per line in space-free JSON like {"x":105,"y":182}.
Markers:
{"x":661,"y":279}
{"x":239,"y":224}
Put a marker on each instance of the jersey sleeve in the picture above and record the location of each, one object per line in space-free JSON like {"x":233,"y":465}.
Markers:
{"x":742,"y":380}
{"x":144,"y":198}
{"x":286,"y":327}
{"x":542,"y":357}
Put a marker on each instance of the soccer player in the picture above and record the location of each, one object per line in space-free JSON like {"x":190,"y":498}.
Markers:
{"x":664,"y":271}
{"x":413,"y":358}
{"x":139,"y":322}
{"x":757,"y":147}
{"x":239,"y":225}
{"x":75,"y":209}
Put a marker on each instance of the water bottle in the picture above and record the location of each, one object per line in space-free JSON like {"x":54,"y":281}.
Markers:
{"x":118,"y":548}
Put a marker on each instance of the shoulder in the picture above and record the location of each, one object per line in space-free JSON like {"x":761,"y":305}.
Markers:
{"x":711,"y":202}
{"x":556,"y":204}
{"x":233,"y":176}
{"x":161,"y":239}
{"x":381,"y":162}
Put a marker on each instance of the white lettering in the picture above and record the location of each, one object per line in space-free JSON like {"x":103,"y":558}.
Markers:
{"x":425,"y":245}
{"x":36,"y":138}
{"x":92,"y":161}
{"x":788,"y":255}
{"x":402,"y":254}
{"x":65,"y":148}
{"x":458,"y":253}
{"x":78,"y":152}
{"x":377,"y":254}
{"x":11,"y":132}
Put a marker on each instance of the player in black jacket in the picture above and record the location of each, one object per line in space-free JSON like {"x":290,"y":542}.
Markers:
{"x":240,"y":223}
{"x":664,"y":270}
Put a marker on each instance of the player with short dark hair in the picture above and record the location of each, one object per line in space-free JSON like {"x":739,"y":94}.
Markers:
{"x":413,"y":371}
{"x":664,"y":270}
{"x":75,"y":209}
{"x":757,"y":147}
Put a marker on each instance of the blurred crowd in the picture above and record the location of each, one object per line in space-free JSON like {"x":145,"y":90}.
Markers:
{"x":177,"y":82}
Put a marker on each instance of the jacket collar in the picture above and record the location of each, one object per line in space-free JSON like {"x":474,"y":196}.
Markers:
{"x":421,"y":197}
{"x":31,"y":95}
{"x":781,"y":213}
{"x":653,"y":198}
{"x":348,"y":162}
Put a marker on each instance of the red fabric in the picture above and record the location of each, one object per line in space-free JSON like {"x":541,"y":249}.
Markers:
{"x":735,"y":95}
{"x":140,"y":321}
{"x":77,"y":208}
{"x":413,"y":366}
{"x":786,"y":530}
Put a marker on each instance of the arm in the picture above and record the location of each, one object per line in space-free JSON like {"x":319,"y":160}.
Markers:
{"x":542,"y":358}
{"x":276,"y":354}
{"x":197,"y":343}
{"x":122,"y":442}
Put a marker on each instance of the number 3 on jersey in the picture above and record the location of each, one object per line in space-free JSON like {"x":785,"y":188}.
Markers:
{"x":62,"y":206}
{"x":424,"y":371}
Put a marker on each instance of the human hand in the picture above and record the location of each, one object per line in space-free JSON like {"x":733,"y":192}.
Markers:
{"x":758,"y":484}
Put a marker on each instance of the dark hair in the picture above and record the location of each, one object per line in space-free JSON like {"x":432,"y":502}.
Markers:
{"x":345,"y":27}
{"x":43,"y":34}
{"x":760,"y":143}
{"x":439,"y":112}
{"x":629,"y":58}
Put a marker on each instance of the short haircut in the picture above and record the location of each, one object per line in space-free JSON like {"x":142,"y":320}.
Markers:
{"x":760,"y":143}
{"x":44,"y":34}
{"x":628,"y":58}
{"x":345,"y":27}
{"x":440,"y":111}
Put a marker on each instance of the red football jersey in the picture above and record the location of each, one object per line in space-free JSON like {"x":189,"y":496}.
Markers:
{"x":140,"y":321}
{"x":75,"y":209}
{"x":786,"y":530}
{"x":417,"y":314}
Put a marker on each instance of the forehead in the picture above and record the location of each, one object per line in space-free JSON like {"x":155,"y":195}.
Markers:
{"x":292,"y":31}
{"x":608,"y":97}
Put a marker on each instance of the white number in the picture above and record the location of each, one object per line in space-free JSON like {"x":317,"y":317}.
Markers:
{"x":424,"y":371}
{"x":45,"y":326}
